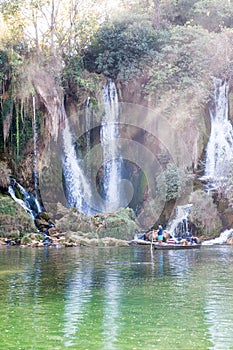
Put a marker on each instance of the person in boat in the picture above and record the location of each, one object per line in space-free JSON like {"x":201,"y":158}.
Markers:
{"x":171,"y":240}
{"x":194,"y":240}
{"x":184,"y":241}
{"x":160,"y":234}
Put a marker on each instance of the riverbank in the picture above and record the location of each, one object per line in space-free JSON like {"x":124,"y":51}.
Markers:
{"x":71,"y":228}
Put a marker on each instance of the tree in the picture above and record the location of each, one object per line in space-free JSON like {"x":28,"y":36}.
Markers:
{"x":121,"y":45}
{"x":213,"y":15}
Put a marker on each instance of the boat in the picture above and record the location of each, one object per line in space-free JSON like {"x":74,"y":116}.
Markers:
{"x":176,"y":246}
{"x":141,"y":241}
{"x":164,"y":246}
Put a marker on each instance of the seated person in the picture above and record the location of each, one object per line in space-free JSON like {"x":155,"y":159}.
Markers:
{"x":194,"y":240}
{"x":171,"y":240}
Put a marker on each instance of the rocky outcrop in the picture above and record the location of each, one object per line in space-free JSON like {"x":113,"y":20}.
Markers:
{"x":69,"y":228}
{"x":119,"y":225}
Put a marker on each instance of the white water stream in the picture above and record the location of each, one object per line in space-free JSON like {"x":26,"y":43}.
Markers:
{"x":78,"y":190}
{"x":111,"y":157}
{"x":221,"y":239}
{"x":219,"y":150}
{"x":179,"y":225}
{"x":219,"y":154}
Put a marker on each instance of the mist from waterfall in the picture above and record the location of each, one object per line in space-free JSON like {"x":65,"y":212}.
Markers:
{"x":219,"y":152}
{"x":112,"y":162}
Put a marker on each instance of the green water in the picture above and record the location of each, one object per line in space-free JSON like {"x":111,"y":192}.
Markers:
{"x":116,"y":299}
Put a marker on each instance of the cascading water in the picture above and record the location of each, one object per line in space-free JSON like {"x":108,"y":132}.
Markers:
{"x":111,"y":157}
{"x":27,"y":200}
{"x":35,"y":171}
{"x":35,"y":161}
{"x":31,"y":204}
{"x":78,"y":190}
{"x":219,"y":150}
{"x":88,"y":132}
{"x":77,"y":175}
{"x":221,"y":239}
{"x":179,"y":226}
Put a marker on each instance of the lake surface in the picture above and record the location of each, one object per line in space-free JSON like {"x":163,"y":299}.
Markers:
{"x":116,"y":299}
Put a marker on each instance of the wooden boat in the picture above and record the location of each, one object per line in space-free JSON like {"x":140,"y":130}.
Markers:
{"x":176,"y":246}
{"x":164,"y":246}
{"x":139,"y":241}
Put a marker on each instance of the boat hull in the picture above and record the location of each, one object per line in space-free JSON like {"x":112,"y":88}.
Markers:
{"x":176,"y":246}
{"x":164,"y":246}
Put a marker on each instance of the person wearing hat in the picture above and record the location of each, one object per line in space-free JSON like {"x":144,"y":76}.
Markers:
{"x":160,"y":234}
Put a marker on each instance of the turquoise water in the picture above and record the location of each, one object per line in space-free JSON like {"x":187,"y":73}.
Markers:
{"x":116,"y":299}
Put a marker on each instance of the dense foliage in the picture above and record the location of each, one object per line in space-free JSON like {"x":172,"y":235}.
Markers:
{"x":173,"y":181}
{"x":204,"y":213}
{"x":121,"y":46}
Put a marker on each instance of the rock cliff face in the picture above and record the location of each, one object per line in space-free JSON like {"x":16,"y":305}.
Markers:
{"x":173,"y":127}
{"x":187,"y":115}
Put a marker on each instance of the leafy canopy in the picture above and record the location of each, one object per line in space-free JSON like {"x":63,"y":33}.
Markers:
{"x":120,"y":45}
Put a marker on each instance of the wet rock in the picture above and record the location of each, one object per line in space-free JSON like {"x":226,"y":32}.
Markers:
{"x":43,"y":222}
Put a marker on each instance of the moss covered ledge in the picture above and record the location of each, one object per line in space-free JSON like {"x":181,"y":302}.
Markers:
{"x":72,"y":228}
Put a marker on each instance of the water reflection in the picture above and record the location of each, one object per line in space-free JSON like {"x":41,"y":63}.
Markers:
{"x":112,"y":302}
{"x":160,"y":263}
{"x":77,"y":298}
{"x":219,"y":299}
{"x":146,"y":299}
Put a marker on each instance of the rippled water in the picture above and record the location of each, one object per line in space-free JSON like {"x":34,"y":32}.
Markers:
{"x":116,"y":299}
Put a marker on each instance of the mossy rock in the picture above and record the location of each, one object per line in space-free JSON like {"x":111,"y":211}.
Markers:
{"x":25,"y":240}
{"x":14,"y":218}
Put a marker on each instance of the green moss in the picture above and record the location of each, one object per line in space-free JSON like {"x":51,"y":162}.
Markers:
{"x":14,"y":220}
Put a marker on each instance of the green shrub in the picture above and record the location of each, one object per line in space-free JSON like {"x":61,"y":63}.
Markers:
{"x":173,"y":181}
{"x":204,"y":213}
{"x":119,"y":46}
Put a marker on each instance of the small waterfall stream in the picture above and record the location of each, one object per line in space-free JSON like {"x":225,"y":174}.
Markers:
{"x":31,"y":202}
{"x":111,"y":158}
{"x":28,"y":202}
{"x":77,"y":175}
{"x":219,"y":153}
{"x":219,"y":150}
{"x":35,"y":161}
{"x":77,"y":187}
{"x":179,"y":226}
{"x":88,"y":133}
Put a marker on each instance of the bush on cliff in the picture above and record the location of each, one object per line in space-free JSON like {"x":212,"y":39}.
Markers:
{"x":14,"y":221}
{"x":204,"y":214}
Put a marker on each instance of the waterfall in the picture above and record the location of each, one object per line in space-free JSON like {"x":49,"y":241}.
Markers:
{"x":88,"y":126}
{"x":78,"y":190}
{"x":111,"y":158}
{"x":32,"y":203}
{"x":219,"y":154}
{"x":35,"y":174}
{"x":35,"y":168}
{"x":219,"y":150}
{"x":27,"y":200}
{"x":221,"y":239}
{"x":179,"y":226}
